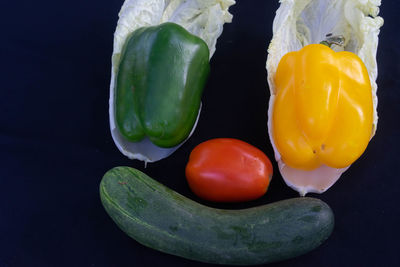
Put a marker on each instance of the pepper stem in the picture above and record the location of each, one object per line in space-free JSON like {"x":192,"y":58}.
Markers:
{"x":333,"y":40}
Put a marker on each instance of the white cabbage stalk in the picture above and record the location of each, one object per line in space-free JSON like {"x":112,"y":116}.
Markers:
{"x":301,"y":22}
{"x":204,"y":18}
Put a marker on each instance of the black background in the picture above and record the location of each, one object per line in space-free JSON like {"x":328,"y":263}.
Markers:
{"x":55,"y":143}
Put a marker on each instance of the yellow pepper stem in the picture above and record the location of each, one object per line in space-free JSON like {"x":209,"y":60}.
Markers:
{"x":333,"y":40}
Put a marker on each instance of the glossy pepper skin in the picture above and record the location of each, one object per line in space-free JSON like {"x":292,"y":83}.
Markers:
{"x":323,"y":111}
{"x":161,"y":76}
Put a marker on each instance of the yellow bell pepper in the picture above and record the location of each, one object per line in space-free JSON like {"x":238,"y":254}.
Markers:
{"x":323,"y":110}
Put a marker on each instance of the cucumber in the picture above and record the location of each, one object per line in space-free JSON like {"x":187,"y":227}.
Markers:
{"x":162,"y":219}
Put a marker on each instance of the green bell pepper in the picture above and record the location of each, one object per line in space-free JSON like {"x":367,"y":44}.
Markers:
{"x":160,"y":81}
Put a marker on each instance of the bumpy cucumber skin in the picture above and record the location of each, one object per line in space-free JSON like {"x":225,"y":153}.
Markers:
{"x":162,"y":219}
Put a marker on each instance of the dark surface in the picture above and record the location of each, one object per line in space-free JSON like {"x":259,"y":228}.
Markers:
{"x":55,"y":143}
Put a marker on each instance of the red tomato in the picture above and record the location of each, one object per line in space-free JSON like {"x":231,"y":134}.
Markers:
{"x":228,"y":170}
